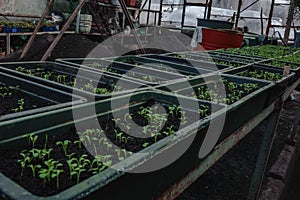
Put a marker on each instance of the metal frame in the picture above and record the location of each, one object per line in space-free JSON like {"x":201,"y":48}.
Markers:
{"x":271,"y":113}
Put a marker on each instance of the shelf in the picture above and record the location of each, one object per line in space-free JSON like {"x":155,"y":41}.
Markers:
{"x":30,"y":33}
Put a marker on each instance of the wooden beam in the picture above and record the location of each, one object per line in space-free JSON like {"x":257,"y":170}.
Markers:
{"x":29,"y":43}
{"x":238,"y":13}
{"x":270,"y":17}
{"x":64,"y":28}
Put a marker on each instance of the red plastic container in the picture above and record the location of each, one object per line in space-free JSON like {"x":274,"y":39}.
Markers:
{"x":130,"y":3}
{"x":213,"y":39}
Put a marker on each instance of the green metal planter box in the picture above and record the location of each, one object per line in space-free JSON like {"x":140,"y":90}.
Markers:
{"x":111,"y":183}
{"x":140,"y":74}
{"x":234,"y":56}
{"x":27,"y":93}
{"x":86,"y":83}
{"x":278,"y":64}
{"x":204,"y":63}
{"x":280,"y":85}
{"x":238,"y":61}
{"x":158,"y":64}
{"x":222,"y":63}
{"x":238,"y":112}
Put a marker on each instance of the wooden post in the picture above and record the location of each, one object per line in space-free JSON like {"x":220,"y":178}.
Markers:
{"x":209,"y":9}
{"x":183,"y":14}
{"x":270,"y":17}
{"x":29,"y":43}
{"x":238,"y":13}
{"x":64,"y":28}
{"x":160,"y":13}
{"x":261,"y":22}
{"x":289,"y":21}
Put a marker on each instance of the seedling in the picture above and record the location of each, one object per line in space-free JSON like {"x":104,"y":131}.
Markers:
{"x":32,"y":139}
{"x":64,"y":145}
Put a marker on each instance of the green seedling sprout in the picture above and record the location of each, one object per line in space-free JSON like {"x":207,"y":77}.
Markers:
{"x":33,"y":168}
{"x":64,"y":145}
{"x":32,"y":139}
{"x":56,"y":174}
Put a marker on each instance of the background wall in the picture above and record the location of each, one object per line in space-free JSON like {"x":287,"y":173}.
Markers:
{"x":34,"y":7}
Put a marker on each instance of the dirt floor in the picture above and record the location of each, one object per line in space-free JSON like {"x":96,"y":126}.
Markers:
{"x":230,"y":177}
{"x":293,"y":192}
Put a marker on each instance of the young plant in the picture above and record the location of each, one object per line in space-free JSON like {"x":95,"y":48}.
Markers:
{"x":32,"y":139}
{"x":64,"y":145}
{"x":33,"y":168}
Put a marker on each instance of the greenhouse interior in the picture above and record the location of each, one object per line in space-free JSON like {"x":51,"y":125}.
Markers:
{"x":198,"y":98}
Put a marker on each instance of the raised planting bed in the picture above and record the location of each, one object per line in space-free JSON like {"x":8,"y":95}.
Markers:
{"x":279,"y":64}
{"x":264,"y":51}
{"x":245,"y":97}
{"x":222,"y":54}
{"x":71,"y":162}
{"x":268,"y":74}
{"x":204,"y":61}
{"x":228,"y":57}
{"x":137,"y":73}
{"x":159,"y":65}
{"x":20,"y":97}
{"x":89,"y":84}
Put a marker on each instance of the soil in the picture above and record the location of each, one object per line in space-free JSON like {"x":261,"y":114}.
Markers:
{"x":105,"y":82}
{"x":37,"y":186}
{"x":10,"y":103}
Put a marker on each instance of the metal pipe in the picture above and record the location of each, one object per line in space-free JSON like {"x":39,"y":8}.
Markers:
{"x":160,"y":12}
{"x":264,"y":154}
{"x":270,"y":17}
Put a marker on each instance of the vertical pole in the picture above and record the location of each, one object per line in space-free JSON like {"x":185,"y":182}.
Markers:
{"x":148,"y":13}
{"x":289,"y":21}
{"x":160,"y":12}
{"x":29,"y":43}
{"x":8,"y":43}
{"x":183,"y":14}
{"x":77,"y":22}
{"x":261,"y":22}
{"x":270,"y":18}
{"x":264,"y":153}
{"x":58,"y":37}
{"x":209,"y":9}
{"x":238,"y":13}
{"x":205,"y":11}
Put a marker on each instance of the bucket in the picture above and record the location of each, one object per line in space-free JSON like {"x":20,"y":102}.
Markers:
{"x":213,"y":39}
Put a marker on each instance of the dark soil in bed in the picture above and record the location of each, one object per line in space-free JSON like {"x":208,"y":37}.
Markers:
{"x":37,"y":186}
{"x":14,"y":100}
